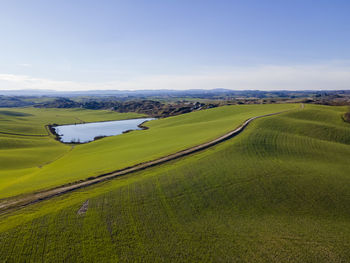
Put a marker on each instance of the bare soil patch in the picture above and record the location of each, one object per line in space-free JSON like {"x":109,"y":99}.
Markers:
{"x":82,"y":210}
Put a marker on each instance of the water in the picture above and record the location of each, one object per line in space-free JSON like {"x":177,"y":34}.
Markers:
{"x":81,"y":133}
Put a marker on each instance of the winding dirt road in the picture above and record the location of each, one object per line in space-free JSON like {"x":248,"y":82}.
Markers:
{"x":22,"y":201}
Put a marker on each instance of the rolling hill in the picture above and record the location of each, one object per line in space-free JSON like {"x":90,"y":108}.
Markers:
{"x":278,"y":192}
{"x":24,"y":172}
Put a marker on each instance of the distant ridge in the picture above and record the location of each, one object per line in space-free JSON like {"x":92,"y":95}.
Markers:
{"x":163,"y":92}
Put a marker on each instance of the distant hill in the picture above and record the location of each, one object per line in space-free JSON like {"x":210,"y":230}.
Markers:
{"x":165,"y":92}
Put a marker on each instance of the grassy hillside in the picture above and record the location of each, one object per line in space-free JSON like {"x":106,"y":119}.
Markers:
{"x":278,"y":192}
{"x":347,"y":115}
{"x":32,"y":121}
{"x":164,"y":137}
{"x":26,"y":145}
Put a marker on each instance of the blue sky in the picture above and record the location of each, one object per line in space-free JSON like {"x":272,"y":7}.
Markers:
{"x":174,"y":44}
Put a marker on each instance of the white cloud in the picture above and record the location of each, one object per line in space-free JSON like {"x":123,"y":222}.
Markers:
{"x":25,"y":65}
{"x":266,"y":77}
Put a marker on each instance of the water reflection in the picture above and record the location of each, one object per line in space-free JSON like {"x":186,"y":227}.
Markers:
{"x":81,"y":133}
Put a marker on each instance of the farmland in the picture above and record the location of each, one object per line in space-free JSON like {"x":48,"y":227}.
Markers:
{"x":23,"y":172}
{"x":26,"y":143}
{"x":278,"y":192}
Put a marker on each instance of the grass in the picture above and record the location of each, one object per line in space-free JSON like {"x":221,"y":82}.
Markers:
{"x":26,"y":145}
{"x":32,"y":121}
{"x":164,"y":137}
{"x":278,"y":192}
{"x":347,"y":115}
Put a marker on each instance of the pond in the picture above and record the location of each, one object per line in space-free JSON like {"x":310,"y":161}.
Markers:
{"x":87,"y":132}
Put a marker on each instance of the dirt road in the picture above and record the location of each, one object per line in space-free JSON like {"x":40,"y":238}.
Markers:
{"x":21,"y":201}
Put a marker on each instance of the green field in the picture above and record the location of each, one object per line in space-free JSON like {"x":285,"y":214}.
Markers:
{"x":33,"y":163}
{"x":278,"y":192}
{"x":26,"y":144}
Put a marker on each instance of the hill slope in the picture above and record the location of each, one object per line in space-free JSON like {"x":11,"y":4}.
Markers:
{"x":164,"y":137}
{"x":279,"y":192}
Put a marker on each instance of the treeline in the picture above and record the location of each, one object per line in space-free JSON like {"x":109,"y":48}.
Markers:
{"x":9,"y":101}
{"x":149,"y":107}
{"x":167,"y":103}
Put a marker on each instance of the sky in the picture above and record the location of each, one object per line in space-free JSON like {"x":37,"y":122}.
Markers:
{"x":175,"y":44}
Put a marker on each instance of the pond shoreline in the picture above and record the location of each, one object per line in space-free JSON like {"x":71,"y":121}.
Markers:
{"x":53,"y":130}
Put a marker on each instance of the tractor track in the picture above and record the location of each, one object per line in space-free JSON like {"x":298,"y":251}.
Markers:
{"x":13,"y":203}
